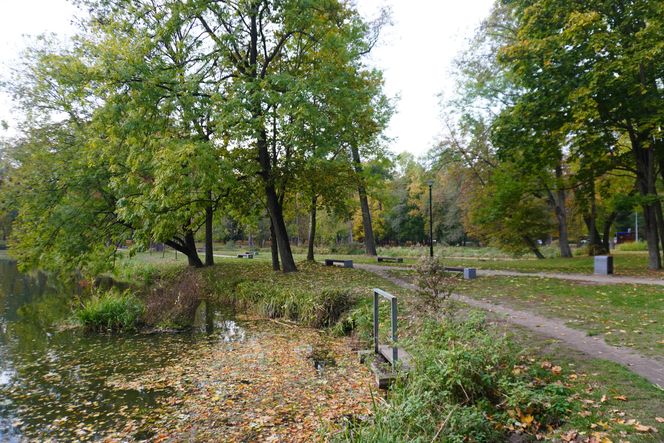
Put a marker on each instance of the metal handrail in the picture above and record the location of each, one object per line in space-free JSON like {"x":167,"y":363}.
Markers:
{"x":393,"y":314}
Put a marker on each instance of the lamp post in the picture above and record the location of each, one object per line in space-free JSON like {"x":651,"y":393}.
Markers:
{"x":430,"y":183}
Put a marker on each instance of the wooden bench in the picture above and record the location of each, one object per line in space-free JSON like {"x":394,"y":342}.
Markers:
{"x":390,"y":259}
{"x":252,"y":252}
{"x":344,"y":263}
{"x":468,"y":273}
{"x":246,"y":255}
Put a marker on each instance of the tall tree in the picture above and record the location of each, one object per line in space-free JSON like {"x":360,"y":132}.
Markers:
{"x":278,"y":51}
{"x":594,"y":68}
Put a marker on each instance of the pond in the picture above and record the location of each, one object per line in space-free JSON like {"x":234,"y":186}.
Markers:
{"x":58,"y":383}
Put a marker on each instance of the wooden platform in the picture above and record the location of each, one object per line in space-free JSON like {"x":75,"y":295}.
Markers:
{"x":403,"y":358}
{"x":384,"y":372}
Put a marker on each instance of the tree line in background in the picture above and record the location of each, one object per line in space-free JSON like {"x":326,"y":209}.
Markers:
{"x":214,"y":121}
{"x":560,"y":117}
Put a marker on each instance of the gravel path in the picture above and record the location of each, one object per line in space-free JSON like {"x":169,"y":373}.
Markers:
{"x":649,"y":368}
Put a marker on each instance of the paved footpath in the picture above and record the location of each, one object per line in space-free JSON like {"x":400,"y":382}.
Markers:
{"x":603,"y":279}
{"x":650,"y":368}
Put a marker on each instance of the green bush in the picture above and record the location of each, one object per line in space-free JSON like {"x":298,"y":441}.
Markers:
{"x":467,"y":384}
{"x":348,"y":249}
{"x":635,"y":246}
{"x":111,"y":311}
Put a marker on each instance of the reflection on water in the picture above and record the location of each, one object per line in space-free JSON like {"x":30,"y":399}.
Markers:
{"x":55,"y":384}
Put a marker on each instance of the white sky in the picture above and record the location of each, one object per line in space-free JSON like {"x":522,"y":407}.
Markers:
{"x":416,"y":54}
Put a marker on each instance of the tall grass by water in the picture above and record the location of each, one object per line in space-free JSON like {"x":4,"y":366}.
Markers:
{"x":111,"y":311}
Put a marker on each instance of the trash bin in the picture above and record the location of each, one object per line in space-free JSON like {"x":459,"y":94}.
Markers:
{"x":604,"y":264}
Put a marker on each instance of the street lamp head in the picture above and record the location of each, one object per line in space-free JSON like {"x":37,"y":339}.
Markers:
{"x":430,"y":182}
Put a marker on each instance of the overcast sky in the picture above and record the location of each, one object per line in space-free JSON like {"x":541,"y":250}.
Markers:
{"x":416,"y":54}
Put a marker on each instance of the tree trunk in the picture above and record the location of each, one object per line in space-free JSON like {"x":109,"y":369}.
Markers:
{"x":660,"y":223}
{"x":558,"y":204}
{"x":369,"y":241}
{"x":312,"y":230}
{"x":283,"y":244}
{"x":209,"y":252}
{"x":274,"y":206}
{"x":274,"y":249}
{"x":187,"y":246}
{"x":533,"y":247}
{"x":646,"y":182}
{"x":606,"y":238}
{"x":595,"y":244}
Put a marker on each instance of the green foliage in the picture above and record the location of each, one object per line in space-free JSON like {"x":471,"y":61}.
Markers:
{"x":464,"y":387}
{"x":507,"y":215}
{"x":347,"y":249}
{"x":156,"y":114}
{"x":111,"y":311}
{"x":632,"y":246}
{"x":588,"y":77}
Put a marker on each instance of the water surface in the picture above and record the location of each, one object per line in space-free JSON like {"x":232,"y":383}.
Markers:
{"x":64,"y":384}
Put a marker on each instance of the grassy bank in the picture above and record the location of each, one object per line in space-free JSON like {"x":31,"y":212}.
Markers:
{"x":480,"y":380}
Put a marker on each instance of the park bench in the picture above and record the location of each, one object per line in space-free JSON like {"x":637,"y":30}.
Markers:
{"x":246,"y":255}
{"x":344,"y":263}
{"x":468,"y":273}
{"x":390,"y":259}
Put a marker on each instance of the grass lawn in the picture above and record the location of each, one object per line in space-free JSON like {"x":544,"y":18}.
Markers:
{"x":613,"y":399}
{"x":625,"y":263}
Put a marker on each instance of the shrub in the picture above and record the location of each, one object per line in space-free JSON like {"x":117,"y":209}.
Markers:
{"x":434,"y":283}
{"x":347,"y":249}
{"x":465,"y":386}
{"x":111,"y":311}
{"x":635,"y":246}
